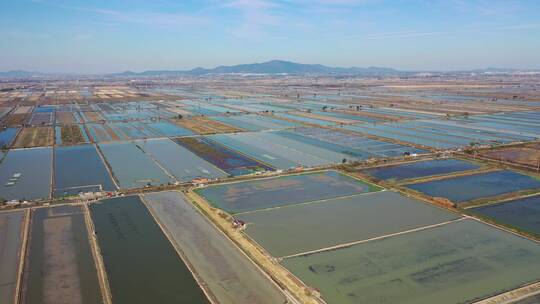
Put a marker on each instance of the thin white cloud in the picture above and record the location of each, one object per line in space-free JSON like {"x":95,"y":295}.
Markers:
{"x":251,"y":4}
{"x":257,"y":17}
{"x":152,"y":18}
{"x":480,"y":30}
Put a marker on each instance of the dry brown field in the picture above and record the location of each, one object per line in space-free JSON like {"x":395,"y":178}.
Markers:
{"x":35,"y":137}
{"x":93,"y":116}
{"x":65,"y":117}
{"x":203,"y":125}
{"x":528,"y":155}
{"x":14,"y":120}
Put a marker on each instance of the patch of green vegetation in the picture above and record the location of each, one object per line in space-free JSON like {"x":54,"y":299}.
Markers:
{"x":71,"y":134}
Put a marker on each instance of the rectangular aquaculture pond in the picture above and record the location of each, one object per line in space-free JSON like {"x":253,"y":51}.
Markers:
{"x":103,"y":133}
{"x":26,"y":174}
{"x":355,"y":144}
{"x":60,"y":267}
{"x":6,"y":137}
{"x":11,"y":226}
{"x":122,"y":158}
{"x":253,"y":122}
{"x":465,"y":188}
{"x":141,"y":264}
{"x":222,"y":157}
{"x":455,"y":263}
{"x":249,"y":144}
{"x":179,"y":161}
{"x":351,"y":116}
{"x":80,"y":169}
{"x":417,"y":139}
{"x":306,"y":227}
{"x":523,"y":214}
{"x":421,"y":169}
{"x":286,"y":190}
{"x":284,"y":151}
{"x":299,"y":150}
{"x":164,"y":128}
{"x":303,"y":119}
{"x":229,"y":274}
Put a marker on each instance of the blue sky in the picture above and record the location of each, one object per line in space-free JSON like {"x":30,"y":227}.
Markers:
{"x":118,"y":35}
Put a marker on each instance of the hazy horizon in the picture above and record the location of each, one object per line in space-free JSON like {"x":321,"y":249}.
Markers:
{"x":248,"y":63}
{"x":57,"y":36}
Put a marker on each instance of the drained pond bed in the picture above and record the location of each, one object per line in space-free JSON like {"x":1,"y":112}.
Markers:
{"x":60,"y":267}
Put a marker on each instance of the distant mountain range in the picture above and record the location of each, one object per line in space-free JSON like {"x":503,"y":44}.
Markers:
{"x":274,"y":67}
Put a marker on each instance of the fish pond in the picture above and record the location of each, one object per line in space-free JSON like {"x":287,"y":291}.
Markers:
{"x":179,"y":161}
{"x":348,"y":116}
{"x":70,"y":162}
{"x":252,"y":122}
{"x":310,"y":154}
{"x":470,"y":187}
{"x":304,"y":119}
{"x":282,"y":150}
{"x":523,"y":213}
{"x":421,"y":169}
{"x":270,"y":153}
{"x":141,"y":264}
{"x":305,"y":227}
{"x":355,"y":144}
{"x":222,"y":157}
{"x":458,"y":262}
{"x":229,"y":274}
{"x":11,"y":225}
{"x":60,"y":267}
{"x":26,"y":174}
{"x":121,"y":157}
{"x":280,"y":191}
{"x":6,"y":136}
